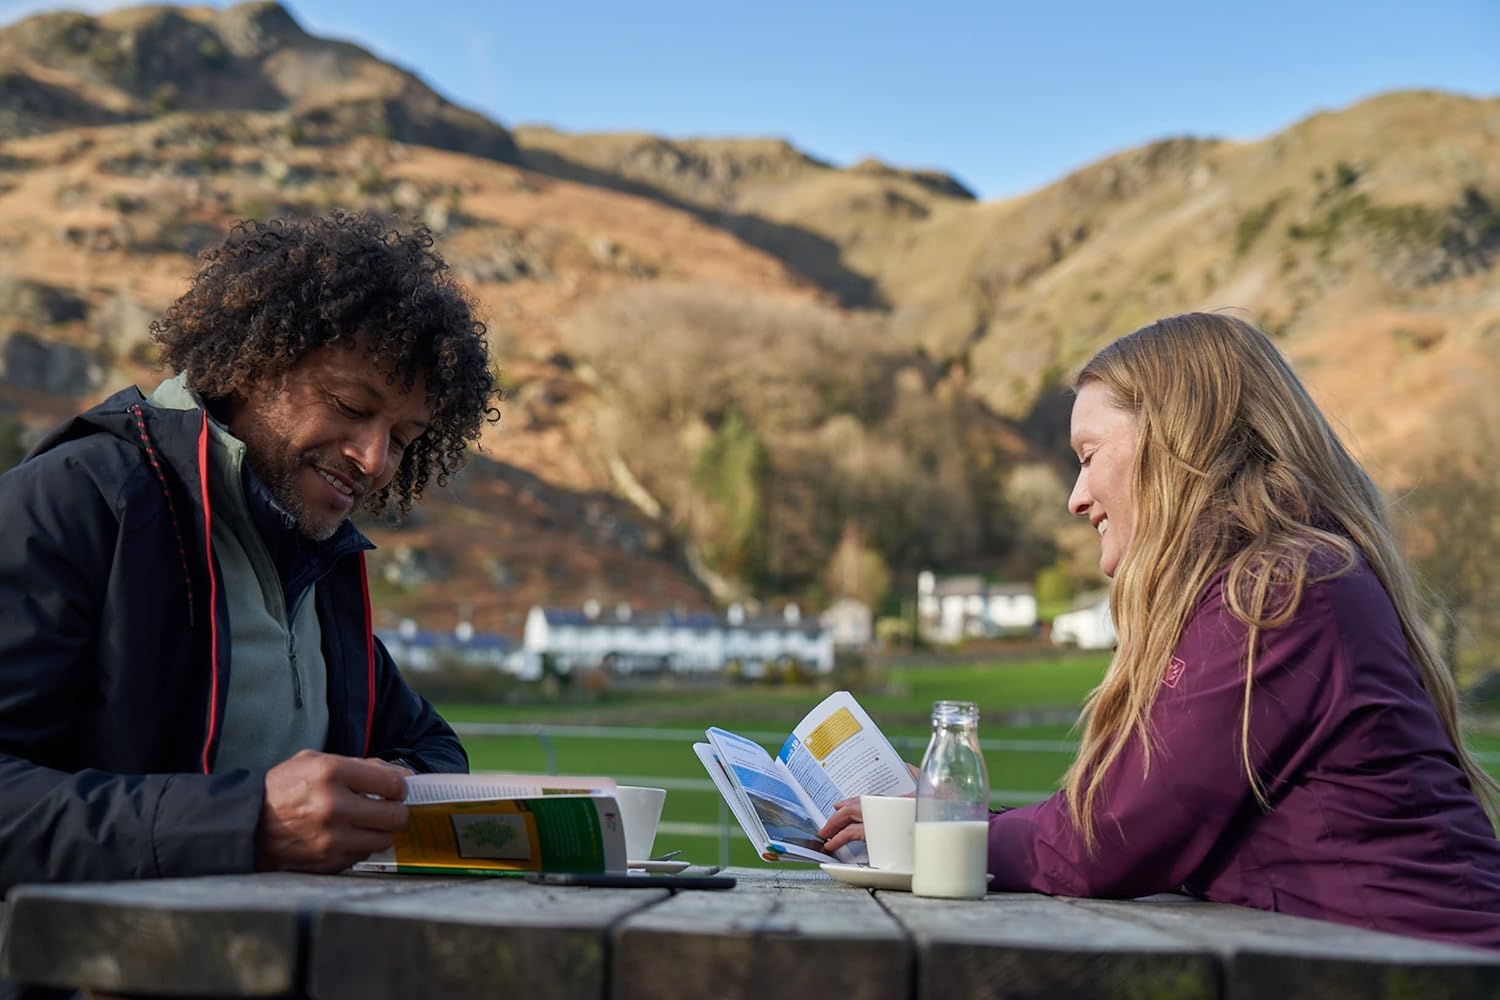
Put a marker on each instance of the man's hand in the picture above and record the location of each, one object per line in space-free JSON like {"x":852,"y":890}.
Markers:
{"x":324,"y":812}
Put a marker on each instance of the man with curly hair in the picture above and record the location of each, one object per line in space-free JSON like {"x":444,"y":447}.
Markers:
{"x":189,"y":682}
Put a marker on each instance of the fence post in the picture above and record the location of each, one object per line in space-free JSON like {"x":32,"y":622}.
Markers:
{"x":723,"y":833}
{"x":548,"y":750}
{"x":904,"y":746}
{"x":908,"y":747}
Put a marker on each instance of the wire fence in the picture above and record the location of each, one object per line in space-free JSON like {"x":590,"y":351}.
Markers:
{"x":725,"y":828}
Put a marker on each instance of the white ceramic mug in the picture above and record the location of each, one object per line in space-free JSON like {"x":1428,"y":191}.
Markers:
{"x":889,"y":830}
{"x":640,"y":813}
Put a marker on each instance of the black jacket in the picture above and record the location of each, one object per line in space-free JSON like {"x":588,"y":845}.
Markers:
{"x":115,"y":656}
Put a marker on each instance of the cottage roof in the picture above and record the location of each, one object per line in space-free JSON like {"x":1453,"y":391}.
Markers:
{"x":974,"y":585}
{"x":643,"y":621}
{"x":444,"y":640}
{"x":637,"y":619}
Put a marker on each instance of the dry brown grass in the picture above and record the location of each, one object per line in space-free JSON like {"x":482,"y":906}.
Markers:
{"x":1337,"y":235}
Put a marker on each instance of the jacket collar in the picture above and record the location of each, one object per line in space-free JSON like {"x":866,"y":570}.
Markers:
{"x":299,"y":561}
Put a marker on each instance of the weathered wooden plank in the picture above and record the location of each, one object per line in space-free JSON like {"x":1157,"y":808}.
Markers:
{"x":1271,"y":954}
{"x":783,"y":876}
{"x":237,"y":935}
{"x":781,"y":932}
{"x":482,"y":938}
{"x":1015,"y":945}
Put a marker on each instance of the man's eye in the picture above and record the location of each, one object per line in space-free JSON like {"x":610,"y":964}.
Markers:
{"x":344,"y":408}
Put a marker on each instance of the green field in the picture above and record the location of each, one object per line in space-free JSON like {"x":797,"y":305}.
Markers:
{"x":652,"y":733}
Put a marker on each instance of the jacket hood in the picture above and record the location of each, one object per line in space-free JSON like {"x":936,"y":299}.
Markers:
{"x":129,"y":416}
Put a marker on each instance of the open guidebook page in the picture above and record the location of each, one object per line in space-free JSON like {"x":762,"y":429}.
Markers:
{"x":835,"y":752}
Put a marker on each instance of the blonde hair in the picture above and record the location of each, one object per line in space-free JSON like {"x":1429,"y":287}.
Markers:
{"x":1235,"y":465}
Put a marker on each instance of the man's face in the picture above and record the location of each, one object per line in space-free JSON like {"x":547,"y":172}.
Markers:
{"x":327,"y":433}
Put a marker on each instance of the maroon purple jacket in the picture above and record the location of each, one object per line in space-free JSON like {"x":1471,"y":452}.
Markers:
{"x":1371,"y":822}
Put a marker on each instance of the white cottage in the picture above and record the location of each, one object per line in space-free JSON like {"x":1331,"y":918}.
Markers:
{"x":418,"y":650}
{"x":953,"y":608}
{"x":1087,"y":625}
{"x":850,"y":621}
{"x":629,"y":642}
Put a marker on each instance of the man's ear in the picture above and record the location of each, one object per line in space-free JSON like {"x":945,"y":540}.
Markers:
{"x":229,"y":409}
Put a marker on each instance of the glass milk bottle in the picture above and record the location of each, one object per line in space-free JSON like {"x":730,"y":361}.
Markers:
{"x":953,"y":798}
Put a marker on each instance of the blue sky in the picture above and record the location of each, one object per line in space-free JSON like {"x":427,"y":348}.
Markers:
{"x":1005,"y":96}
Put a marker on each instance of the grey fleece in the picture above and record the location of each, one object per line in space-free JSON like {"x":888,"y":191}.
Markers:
{"x":278,"y":681}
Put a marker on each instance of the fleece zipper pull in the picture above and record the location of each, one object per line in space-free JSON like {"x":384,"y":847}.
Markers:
{"x":291,"y":652}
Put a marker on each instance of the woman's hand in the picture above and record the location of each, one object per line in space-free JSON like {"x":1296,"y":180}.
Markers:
{"x":846,"y":824}
{"x":848,"y":821}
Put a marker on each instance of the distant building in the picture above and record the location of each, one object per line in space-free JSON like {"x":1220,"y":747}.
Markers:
{"x":1087,"y":624}
{"x":850,"y":622}
{"x":630,"y":642}
{"x":416,"y":649}
{"x":954,"y":608}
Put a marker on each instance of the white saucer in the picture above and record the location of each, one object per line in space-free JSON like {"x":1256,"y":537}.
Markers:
{"x":874,"y":878}
{"x":869,"y":878}
{"x":659,"y":867}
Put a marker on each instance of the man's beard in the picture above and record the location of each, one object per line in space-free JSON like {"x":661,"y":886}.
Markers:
{"x":280,"y":477}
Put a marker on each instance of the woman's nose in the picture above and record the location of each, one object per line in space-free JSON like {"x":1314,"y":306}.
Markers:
{"x":1079,"y":500}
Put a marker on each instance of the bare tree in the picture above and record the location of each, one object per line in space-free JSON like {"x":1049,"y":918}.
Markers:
{"x":1452,"y":532}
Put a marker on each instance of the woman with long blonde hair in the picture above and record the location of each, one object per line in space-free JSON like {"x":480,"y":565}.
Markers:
{"x":1276,"y":728}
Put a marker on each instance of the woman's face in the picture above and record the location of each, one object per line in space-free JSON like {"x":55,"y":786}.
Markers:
{"x":1104,"y":438}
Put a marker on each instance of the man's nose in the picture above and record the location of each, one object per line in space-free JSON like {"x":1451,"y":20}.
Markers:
{"x":371,"y":450}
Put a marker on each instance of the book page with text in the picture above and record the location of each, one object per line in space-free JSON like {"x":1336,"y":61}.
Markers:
{"x":423,"y":788}
{"x":837,"y":752}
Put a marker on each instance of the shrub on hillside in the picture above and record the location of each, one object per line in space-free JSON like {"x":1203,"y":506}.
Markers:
{"x":772,"y":425}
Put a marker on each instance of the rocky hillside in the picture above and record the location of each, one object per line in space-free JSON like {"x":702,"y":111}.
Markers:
{"x":582,"y":490}
{"x":819,"y":219}
{"x":732,"y":370}
{"x":1366,"y":238}
{"x":62,"y":70}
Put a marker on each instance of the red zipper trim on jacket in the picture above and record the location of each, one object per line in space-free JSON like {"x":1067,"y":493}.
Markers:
{"x":213,"y":592}
{"x":364,"y":584}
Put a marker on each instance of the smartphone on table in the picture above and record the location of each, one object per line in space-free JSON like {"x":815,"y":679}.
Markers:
{"x":618,"y":880}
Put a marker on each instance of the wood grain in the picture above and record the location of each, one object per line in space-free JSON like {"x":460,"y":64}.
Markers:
{"x":231,"y":935}
{"x":782,"y":932}
{"x":1017,"y":945}
{"x":487,"y":937}
{"x":1275,"y":955}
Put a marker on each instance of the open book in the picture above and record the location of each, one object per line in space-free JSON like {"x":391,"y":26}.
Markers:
{"x":836,"y":752}
{"x":505,"y":824}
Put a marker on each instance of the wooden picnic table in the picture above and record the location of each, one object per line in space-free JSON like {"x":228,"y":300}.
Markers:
{"x":781,"y":932}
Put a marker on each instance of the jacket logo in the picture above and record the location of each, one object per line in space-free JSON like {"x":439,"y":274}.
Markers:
{"x":1174,"y":672}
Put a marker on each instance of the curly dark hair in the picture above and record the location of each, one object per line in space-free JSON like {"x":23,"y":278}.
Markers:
{"x":273,"y":291}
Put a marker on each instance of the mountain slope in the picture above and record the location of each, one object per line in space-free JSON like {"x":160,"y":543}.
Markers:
{"x":730,"y":366}
{"x":1365,"y":238}
{"x":59,"y":70}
